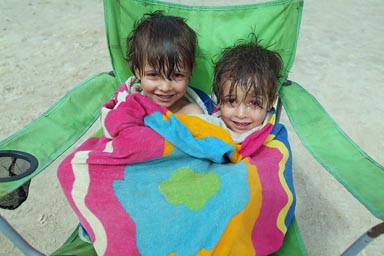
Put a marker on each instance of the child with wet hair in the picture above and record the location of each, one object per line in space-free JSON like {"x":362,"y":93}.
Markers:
{"x":161,"y":53}
{"x":245,"y":84}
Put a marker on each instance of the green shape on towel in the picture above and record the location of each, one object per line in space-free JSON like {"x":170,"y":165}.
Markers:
{"x":191,"y":188}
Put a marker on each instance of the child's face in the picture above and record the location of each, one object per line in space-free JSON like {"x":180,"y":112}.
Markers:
{"x":240,"y":110}
{"x":167,"y":93}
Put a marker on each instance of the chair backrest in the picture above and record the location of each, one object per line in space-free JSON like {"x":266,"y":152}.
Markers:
{"x":276,"y":24}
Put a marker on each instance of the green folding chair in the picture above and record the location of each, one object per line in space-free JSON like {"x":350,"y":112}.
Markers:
{"x":277,"y":24}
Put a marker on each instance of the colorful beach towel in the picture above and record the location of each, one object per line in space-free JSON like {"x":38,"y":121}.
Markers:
{"x":157,"y":183}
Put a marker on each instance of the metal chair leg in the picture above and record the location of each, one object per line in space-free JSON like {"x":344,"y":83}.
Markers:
{"x":364,"y":240}
{"x":17,"y":239}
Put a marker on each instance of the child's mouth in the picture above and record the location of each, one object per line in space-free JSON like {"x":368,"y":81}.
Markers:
{"x":241,"y":125}
{"x":164,"y":98}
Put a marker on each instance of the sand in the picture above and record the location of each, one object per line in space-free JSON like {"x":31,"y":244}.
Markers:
{"x":47,"y":47}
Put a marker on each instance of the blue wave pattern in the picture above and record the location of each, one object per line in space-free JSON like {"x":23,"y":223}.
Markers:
{"x":162,"y":227}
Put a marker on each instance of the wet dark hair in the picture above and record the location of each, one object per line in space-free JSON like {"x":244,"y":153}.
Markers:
{"x":166,"y":43}
{"x":248,"y":65}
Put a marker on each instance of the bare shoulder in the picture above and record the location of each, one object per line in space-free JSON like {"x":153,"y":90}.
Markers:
{"x":191,"y":108}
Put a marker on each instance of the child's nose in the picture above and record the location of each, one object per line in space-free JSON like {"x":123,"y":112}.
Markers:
{"x":241,"y":110}
{"x":165,"y":85}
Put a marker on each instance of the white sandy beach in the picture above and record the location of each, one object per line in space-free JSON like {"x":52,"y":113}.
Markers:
{"x":47,"y":47}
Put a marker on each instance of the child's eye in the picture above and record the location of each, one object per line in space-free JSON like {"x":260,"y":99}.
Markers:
{"x":231,"y":102}
{"x":255,"y":105}
{"x":180,"y":76}
{"x":152,"y":74}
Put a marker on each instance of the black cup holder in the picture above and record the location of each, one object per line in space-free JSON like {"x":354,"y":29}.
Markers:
{"x":15,"y":165}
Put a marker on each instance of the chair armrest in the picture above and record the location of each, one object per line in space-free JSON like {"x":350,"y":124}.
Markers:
{"x":48,"y":136}
{"x":362,"y":176}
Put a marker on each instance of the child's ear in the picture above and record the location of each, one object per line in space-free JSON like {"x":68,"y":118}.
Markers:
{"x":274,"y":100}
{"x":137,"y":74}
{"x":193,"y":68}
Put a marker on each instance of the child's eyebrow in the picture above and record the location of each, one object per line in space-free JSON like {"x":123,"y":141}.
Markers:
{"x":256,"y":96}
{"x":229,"y":96}
{"x":150,"y":69}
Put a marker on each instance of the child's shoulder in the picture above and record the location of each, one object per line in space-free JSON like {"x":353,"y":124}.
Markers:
{"x":191,"y":108}
{"x":201,"y":99}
